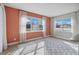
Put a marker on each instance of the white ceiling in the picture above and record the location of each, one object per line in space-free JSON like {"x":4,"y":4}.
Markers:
{"x":48,"y":9}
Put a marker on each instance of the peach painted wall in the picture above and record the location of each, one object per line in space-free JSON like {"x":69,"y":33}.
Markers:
{"x":34,"y":35}
{"x":48,"y":26}
{"x":12,"y":24}
{"x":34,"y":15}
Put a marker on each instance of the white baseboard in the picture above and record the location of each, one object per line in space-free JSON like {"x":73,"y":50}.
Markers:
{"x":13,"y":43}
{"x":63,"y":38}
{"x":50,"y":35}
{"x":32,"y":39}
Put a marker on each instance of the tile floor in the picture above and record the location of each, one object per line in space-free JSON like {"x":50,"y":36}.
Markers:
{"x":44,"y":46}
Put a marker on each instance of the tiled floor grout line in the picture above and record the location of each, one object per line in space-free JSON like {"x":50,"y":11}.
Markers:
{"x":32,"y":51}
{"x":36,"y":48}
{"x":22,"y":51}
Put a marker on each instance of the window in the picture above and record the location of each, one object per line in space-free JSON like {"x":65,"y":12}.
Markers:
{"x":63,"y":28}
{"x":31,"y":24}
{"x":63,"y":25}
{"x":34,"y":24}
{"x":28,"y":24}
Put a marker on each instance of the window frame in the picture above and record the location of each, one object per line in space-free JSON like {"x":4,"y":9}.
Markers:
{"x":31,"y":24}
{"x":71,"y":30}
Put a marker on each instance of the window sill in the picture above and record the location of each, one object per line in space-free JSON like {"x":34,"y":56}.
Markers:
{"x":32,"y":31}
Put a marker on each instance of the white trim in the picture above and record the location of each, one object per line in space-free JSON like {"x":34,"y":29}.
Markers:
{"x":4,"y":28}
{"x":50,"y":35}
{"x":21,"y":36}
{"x":27,"y":40}
{"x":32,"y":39}
{"x":44,"y":26}
{"x":1,"y":29}
{"x":63,"y":38}
{"x":13,"y":43}
{"x":52,"y":27}
{"x":3,"y":39}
